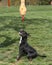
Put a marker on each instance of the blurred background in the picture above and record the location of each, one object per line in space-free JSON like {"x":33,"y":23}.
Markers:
{"x":28,"y":2}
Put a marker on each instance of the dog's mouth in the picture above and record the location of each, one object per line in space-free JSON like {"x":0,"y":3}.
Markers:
{"x":19,"y":33}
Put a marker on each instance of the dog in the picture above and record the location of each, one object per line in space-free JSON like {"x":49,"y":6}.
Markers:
{"x":25,"y":48}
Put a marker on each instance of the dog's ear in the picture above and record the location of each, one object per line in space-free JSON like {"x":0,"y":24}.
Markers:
{"x":29,"y":34}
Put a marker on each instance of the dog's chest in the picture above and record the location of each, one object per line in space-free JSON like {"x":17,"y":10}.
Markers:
{"x":20,"y":40}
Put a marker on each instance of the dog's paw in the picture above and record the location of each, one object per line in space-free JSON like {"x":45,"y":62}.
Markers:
{"x":18,"y":58}
{"x":30,"y":59}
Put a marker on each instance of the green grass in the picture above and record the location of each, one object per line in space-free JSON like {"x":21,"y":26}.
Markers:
{"x":38,"y":22}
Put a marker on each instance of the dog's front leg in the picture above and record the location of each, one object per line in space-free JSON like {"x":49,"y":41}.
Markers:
{"x":20,"y":53}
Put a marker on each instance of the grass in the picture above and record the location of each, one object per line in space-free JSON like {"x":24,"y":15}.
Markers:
{"x":38,"y":22}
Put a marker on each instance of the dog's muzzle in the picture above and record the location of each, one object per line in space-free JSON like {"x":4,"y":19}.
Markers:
{"x":20,"y":33}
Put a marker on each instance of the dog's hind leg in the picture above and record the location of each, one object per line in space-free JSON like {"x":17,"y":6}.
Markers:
{"x":31,"y":55}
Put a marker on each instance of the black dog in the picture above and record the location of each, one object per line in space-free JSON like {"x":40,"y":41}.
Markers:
{"x":25,"y":48}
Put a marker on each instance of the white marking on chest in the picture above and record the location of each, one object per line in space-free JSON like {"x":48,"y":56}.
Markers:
{"x":20,"y":40}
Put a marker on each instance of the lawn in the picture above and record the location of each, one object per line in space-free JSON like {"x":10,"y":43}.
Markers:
{"x":38,"y":22}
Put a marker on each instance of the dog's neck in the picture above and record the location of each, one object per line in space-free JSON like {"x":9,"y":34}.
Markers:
{"x":23,"y":40}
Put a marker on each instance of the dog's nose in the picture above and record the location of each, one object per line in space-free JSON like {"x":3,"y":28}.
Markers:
{"x":19,"y":33}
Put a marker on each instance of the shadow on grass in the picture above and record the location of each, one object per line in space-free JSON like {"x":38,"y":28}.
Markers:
{"x":16,"y":23}
{"x":7,"y":42}
{"x":11,"y":22}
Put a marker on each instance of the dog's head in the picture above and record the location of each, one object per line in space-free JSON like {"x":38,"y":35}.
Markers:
{"x":23,"y":33}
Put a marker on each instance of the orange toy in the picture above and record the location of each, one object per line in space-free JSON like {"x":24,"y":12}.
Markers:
{"x":22,"y":9}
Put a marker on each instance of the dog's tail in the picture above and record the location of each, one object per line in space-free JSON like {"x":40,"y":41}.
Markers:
{"x":41,"y":55}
